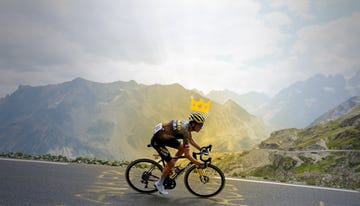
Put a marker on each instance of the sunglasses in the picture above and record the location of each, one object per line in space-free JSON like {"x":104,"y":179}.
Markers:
{"x":201,"y":125}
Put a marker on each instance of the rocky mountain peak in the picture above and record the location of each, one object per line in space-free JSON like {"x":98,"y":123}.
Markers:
{"x":111,"y":120}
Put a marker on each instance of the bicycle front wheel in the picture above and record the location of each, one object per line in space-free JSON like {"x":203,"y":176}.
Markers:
{"x":142,"y":174}
{"x":204,"y":182}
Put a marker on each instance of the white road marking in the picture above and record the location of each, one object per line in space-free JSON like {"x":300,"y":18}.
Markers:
{"x":35,"y":161}
{"x":293,"y":185}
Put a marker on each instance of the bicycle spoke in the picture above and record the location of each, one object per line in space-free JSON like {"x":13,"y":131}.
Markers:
{"x":142,"y":174}
{"x":205,"y":182}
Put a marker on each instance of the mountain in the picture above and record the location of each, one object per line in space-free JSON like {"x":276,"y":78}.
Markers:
{"x":326,"y":154}
{"x":113,"y":120}
{"x":299,"y":104}
{"x":354,"y":84}
{"x":342,"y":133}
{"x":251,"y":101}
{"x":338,"y":111}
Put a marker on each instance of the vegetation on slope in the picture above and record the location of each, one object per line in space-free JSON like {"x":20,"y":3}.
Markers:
{"x":60,"y":158}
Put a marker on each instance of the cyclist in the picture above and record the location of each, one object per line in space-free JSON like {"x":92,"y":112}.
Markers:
{"x":167,"y":134}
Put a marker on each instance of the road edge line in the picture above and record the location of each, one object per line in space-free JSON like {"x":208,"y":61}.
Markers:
{"x":293,"y":185}
{"x":34,"y":161}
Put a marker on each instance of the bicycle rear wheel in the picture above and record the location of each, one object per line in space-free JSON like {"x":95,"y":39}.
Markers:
{"x":204,"y":182}
{"x":142,"y":174}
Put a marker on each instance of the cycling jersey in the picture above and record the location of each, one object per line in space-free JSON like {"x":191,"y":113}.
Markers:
{"x":167,"y":134}
{"x":178,"y":129}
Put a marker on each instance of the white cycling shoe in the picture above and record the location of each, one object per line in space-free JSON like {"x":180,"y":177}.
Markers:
{"x":161,"y":188}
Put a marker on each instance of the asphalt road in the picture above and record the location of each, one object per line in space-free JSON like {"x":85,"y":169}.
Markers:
{"x":41,"y":183}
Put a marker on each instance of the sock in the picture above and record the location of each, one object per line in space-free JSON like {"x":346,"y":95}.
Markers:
{"x":161,"y":181}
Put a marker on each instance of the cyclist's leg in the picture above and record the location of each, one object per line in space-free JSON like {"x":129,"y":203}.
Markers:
{"x":180,"y":149}
{"x":165,"y":154}
{"x":159,"y":145}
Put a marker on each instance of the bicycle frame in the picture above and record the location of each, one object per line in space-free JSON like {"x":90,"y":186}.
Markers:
{"x":188,"y":165}
{"x":177,"y":173}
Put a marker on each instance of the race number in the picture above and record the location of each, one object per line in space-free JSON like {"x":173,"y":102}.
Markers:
{"x":158,"y":127}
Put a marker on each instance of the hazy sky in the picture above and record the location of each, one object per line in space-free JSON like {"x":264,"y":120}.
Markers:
{"x":240,"y":45}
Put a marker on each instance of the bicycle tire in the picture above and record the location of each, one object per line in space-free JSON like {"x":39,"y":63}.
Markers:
{"x":212,"y":183}
{"x":141,"y":175}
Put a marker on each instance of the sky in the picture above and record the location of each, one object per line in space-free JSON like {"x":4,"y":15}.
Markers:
{"x":237,"y":45}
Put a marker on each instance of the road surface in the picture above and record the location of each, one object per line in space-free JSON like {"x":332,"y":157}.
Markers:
{"x":46,"y":183}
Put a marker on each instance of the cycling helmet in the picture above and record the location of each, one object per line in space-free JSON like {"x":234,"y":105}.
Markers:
{"x":197,"y":117}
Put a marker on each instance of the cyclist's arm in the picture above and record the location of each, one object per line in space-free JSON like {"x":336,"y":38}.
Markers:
{"x":188,"y":139}
{"x":193,"y":143}
{"x":190,"y":157}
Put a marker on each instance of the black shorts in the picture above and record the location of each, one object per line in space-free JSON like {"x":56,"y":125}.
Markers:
{"x":160,"y":146}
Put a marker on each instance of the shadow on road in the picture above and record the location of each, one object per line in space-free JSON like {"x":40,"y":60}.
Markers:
{"x":110,"y":188}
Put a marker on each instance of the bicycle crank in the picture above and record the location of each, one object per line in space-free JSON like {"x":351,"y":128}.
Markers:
{"x":169,"y":183}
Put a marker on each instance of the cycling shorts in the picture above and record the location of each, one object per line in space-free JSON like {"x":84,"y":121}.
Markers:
{"x":160,"y":146}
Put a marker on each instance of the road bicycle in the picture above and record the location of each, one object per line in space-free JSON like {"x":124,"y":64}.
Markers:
{"x":141,"y":175}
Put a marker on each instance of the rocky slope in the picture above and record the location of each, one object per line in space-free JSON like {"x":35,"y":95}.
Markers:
{"x":326,"y":154}
{"x":340,"y":134}
{"x":338,"y":111}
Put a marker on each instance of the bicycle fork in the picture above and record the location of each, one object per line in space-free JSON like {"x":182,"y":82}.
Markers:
{"x":203,"y":178}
